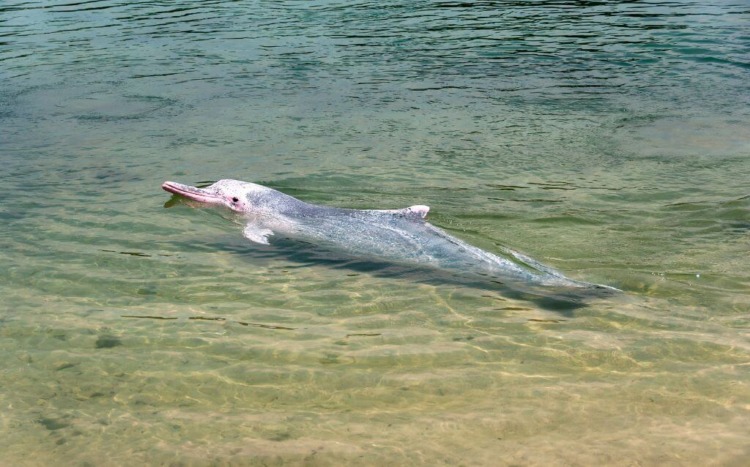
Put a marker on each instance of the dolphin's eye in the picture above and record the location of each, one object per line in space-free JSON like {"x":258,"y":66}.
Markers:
{"x":235,"y":199}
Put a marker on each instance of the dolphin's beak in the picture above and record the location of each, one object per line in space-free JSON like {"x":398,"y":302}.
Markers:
{"x":191,"y":192}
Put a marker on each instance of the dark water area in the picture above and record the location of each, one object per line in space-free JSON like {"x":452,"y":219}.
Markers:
{"x":606,"y":139}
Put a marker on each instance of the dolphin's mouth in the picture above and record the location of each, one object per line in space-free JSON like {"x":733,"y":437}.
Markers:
{"x":191,"y":192}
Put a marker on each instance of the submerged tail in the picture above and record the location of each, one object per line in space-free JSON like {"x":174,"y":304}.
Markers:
{"x":555,"y":276}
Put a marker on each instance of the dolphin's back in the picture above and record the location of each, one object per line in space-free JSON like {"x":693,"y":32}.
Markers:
{"x":399,"y":237}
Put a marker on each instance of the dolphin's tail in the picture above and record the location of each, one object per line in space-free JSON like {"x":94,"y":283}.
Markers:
{"x":535,"y":264}
{"x":555,"y":277}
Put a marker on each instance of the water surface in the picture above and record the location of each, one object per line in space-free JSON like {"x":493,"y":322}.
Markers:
{"x":606,"y":139}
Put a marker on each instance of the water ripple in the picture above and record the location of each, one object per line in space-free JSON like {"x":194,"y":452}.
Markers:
{"x":608,"y":139}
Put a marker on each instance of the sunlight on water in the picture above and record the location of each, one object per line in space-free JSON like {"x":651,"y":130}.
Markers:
{"x":606,"y":139}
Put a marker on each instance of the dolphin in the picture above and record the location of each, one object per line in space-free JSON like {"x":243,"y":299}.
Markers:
{"x":394,"y":235}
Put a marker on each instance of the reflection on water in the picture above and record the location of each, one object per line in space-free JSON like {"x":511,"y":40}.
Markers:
{"x":606,"y":139}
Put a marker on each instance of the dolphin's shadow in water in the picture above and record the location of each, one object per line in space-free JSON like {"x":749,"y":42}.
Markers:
{"x":563,"y":300}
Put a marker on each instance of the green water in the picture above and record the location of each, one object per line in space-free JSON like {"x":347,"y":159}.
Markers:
{"x":606,"y":139}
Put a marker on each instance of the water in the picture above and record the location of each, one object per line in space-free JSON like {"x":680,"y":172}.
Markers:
{"x":606,"y":139}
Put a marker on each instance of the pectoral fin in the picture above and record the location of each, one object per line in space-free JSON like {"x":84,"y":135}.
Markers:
{"x":257,"y":234}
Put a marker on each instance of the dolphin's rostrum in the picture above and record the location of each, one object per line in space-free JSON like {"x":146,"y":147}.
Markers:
{"x":399,"y":235}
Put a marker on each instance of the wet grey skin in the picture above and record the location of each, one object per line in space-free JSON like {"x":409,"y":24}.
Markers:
{"x":399,"y":235}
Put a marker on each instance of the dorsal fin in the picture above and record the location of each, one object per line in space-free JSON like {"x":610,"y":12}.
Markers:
{"x":418,"y":211}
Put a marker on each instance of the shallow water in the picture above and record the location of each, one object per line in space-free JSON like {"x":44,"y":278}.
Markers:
{"x":609,"y":140}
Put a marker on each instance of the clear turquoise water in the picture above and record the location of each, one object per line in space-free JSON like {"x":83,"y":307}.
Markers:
{"x":607,"y":139}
